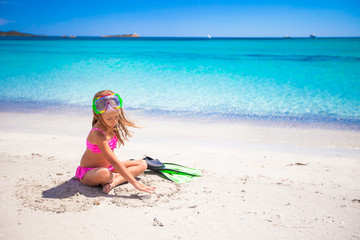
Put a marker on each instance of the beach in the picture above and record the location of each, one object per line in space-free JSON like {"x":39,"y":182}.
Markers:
{"x":273,"y":123}
{"x":261,"y":181}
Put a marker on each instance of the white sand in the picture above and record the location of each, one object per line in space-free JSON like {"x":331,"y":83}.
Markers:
{"x":254,"y":186}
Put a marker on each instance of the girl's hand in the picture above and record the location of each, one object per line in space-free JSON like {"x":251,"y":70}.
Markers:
{"x":141,"y":187}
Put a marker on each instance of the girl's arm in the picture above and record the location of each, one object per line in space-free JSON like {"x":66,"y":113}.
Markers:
{"x":118,"y":165}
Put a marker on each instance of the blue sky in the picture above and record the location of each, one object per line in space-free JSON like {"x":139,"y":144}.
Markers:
{"x":185,"y":18}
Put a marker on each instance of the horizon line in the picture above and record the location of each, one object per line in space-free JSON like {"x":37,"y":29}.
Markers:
{"x":95,"y":36}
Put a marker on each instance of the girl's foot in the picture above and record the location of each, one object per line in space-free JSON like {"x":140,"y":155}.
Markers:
{"x":107,"y":188}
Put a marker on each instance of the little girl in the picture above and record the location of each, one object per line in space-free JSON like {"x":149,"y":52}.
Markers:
{"x":99,"y":164}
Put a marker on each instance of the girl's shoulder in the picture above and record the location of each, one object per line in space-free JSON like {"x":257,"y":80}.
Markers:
{"x":97,"y":133}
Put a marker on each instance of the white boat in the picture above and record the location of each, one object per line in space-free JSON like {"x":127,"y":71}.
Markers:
{"x":312,"y":35}
{"x":209,"y":36}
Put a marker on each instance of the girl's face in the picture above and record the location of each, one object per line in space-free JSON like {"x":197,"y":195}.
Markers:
{"x":111,"y":118}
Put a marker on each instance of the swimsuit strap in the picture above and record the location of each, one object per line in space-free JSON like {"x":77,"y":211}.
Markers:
{"x":99,"y":130}
{"x":111,"y":140}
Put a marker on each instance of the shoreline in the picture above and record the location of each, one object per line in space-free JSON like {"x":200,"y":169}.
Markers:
{"x":295,"y":183}
{"x":308,"y":122}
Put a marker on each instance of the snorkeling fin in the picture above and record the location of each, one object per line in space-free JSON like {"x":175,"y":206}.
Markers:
{"x":176,"y":177}
{"x":155,"y":164}
{"x":182,"y":169}
{"x":171,"y":171}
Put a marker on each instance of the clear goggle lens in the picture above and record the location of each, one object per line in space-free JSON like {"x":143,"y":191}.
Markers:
{"x":107,"y":102}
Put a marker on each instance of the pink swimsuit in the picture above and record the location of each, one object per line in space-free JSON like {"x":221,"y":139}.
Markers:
{"x":80,"y":171}
{"x":95,"y":149}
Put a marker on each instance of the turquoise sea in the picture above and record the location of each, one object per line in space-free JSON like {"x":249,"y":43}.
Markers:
{"x":300,"y":79}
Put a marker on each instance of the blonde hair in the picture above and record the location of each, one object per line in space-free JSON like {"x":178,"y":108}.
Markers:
{"x":121,"y":129}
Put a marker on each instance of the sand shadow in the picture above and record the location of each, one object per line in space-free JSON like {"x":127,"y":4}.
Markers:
{"x":70,"y":188}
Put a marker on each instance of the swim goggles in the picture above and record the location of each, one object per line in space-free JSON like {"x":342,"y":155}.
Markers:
{"x":103,"y":103}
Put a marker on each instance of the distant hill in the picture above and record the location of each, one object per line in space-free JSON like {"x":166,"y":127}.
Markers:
{"x":123,"y":35}
{"x":15,"y":33}
{"x":20,"y":34}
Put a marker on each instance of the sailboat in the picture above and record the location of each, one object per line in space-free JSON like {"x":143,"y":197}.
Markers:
{"x":209,"y":36}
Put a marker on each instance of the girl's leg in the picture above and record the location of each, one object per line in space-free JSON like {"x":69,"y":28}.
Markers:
{"x":135,"y":168}
{"x":108,"y":179}
{"x":97,"y":176}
